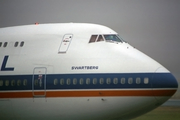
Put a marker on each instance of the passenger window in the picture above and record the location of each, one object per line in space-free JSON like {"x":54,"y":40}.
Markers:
{"x":0,"y":44}
{"x":94,"y":80}
{"x":18,"y":82}
{"x":24,"y":82}
{"x":22,"y":44}
{"x":7,"y":82}
{"x":68,"y":81}
{"x":62,"y":81}
{"x":81,"y":81}
{"x":123,"y":80}
{"x":138,"y":80}
{"x":1,"y":82}
{"x":115,"y":80}
{"x":146,"y":80}
{"x":93,"y":38}
{"x":74,"y":81}
{"x":5,"y":44}
{"x":55,"y":81}
{"x":16,"y":44}
{"x":36,"y":82}
{"x":101,"y":81}
{"x":108,"y":80}
{"x":13,"y":83}
{"x":100,"y":38}
{"x":88,"y":81}
{"x":130,"y":80}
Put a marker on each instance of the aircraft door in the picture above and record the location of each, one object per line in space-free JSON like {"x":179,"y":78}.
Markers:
{"x":39,"y":82}
{"x":66,"y":41}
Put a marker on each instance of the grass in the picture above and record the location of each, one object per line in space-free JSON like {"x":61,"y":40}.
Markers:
{"x":162,"y":113}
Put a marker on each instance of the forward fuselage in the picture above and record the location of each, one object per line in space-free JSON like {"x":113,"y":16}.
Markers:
{"x":77,"y":71}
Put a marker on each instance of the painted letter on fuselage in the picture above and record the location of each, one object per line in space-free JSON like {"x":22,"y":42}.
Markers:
{"x":3,"y":66}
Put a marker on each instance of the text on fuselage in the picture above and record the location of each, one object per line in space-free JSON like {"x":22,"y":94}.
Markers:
{"x":3,"y":65}
{"x":84,"y":67}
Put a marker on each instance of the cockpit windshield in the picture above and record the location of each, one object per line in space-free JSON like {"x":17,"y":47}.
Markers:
{"x":112,"y":38}
{"x":107,"y":37}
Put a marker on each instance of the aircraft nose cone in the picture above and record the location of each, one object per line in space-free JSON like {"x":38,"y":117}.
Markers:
{"x":164,"y":85}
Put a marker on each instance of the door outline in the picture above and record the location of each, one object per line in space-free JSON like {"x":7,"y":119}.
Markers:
{"x":65,"y":43}
{"x":39,"y":76}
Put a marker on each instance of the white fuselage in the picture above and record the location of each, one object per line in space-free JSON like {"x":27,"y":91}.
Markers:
{"x":59,"y":71}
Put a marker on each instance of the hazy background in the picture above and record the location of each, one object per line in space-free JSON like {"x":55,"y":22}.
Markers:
{"x":152,"y":26}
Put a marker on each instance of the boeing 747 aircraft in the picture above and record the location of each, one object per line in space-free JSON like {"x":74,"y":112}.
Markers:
{"x":77,"y":71}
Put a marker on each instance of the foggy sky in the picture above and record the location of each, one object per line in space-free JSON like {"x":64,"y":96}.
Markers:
{"x":152,"y":26}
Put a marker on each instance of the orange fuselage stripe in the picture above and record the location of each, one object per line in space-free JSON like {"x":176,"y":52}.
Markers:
{"x":90,"y":93}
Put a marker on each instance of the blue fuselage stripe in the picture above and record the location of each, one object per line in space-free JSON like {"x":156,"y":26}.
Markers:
{"x":155,"y":80}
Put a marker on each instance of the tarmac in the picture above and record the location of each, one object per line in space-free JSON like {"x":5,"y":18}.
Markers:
{"x":170,"y":110}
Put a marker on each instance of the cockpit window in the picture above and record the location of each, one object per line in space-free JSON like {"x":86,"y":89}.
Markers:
{"x":112,"y":38}
{"x":107,"y":37}
{"x":93,"y":38}
{"x":96,"y":38}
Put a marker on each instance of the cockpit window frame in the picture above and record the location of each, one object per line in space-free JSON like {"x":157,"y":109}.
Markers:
{"x":121,"y":38}
{"x":100,"y":38}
